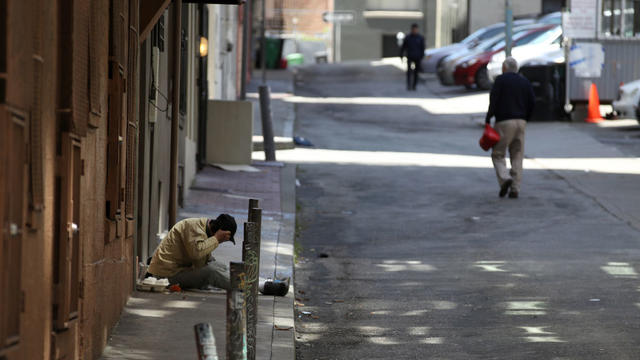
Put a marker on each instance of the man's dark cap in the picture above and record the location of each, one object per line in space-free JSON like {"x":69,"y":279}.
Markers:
{"x":414,"y":25}
{"x":226,"y":222}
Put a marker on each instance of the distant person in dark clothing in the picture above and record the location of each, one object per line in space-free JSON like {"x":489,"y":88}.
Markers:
{"x":413,"y":49}
{"x":512,"y":102}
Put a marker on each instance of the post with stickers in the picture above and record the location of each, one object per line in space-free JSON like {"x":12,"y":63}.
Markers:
{"x":251,"y":259}
{"x":236,"y":314}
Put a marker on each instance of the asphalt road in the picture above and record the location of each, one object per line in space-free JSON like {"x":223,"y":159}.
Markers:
{"x":406,"y":251}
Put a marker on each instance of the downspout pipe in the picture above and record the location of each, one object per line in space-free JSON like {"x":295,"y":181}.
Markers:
{"x":245,"y":49}
{"x":175,"y":110}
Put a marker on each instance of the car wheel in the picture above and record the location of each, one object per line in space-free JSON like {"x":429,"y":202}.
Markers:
{"x":482,"y":79}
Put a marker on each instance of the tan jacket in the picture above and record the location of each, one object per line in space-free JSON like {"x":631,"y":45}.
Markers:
{"x":185,"y":247}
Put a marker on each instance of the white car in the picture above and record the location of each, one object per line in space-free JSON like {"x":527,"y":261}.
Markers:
{"x":545,"y":43}
{"x":628,"y":99}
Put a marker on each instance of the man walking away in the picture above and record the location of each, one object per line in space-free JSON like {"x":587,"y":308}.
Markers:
{"x":413,"y":46}
{"x":511,"y":103}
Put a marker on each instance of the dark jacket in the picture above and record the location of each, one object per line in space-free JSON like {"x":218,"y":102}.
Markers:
{"x":511,"y":98}
{"x":413,"y":46}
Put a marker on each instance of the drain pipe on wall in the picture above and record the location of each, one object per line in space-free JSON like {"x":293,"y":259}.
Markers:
{"x":175,"y":110}
{"x":245,"y":48}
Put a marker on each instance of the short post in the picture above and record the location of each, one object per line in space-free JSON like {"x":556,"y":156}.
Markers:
{"x":255,"y":216}
{"x":267,"y":130}
{"x":253,"y":204}
{"x":251,"y":260}
{"x":236,"y":314}
{"x":205,"y":341}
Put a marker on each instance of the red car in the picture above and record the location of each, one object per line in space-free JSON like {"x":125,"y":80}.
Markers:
{"x":473,"y":69}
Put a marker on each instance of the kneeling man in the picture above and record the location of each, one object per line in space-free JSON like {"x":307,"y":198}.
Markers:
{"x":184,"y":255}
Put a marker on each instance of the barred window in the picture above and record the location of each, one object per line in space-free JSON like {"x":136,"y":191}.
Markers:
{"x":620,"y":18}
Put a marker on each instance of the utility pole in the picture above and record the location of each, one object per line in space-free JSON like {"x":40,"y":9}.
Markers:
{"x":508,"y":27}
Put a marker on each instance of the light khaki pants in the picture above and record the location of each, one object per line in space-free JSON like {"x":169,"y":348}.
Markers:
{"x":214,"y":274}
{"x":511,"y":138}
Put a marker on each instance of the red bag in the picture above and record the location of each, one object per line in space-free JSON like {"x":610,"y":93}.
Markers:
{"x":489,"y":138}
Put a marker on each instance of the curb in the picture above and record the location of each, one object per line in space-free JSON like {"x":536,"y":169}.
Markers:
{"x":281,"y":143}
{"x":283,"y":340}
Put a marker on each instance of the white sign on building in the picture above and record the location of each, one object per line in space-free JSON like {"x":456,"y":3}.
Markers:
{"x":587,"y":59}
{"x":581,"y":23}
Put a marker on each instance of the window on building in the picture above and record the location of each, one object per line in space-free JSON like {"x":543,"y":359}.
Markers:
{"x":394,"y":5}
{"x":620,"y":18}
{"x":157,"y":34}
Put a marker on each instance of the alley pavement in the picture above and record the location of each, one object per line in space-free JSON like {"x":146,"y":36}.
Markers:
{"x":407,"y":252}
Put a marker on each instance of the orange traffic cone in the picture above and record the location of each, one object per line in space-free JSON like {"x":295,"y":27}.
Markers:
{"x":593,"y":115}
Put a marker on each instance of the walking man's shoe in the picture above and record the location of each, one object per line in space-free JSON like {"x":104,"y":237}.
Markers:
{"x":505,"y":188}
{"x":513,"y":195}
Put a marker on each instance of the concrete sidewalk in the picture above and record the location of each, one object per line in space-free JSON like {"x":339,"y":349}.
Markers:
{"x":160,"y":325}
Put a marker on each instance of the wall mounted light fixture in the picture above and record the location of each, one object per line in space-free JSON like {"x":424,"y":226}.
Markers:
{"x":204,"y":46}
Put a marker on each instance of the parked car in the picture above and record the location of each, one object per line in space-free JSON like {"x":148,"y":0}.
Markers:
{"x":447,"y":66}
{"x":554,"y":18}
{"x":549,"y":41}
{"x":626,"y":105}
{"x":473,"y":69}
{"x":433,"y":56}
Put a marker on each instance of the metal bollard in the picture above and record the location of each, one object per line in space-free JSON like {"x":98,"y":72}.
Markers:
{"x":205,"y":341}
{"x":253,"y":204}
{"x":251,"y":259}
{"x":267,"y":129}
{"x":236,"y":314}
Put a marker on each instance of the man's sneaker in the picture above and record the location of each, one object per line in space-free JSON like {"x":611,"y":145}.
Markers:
{"x":505,"y":187}
{"x":513,"y":194}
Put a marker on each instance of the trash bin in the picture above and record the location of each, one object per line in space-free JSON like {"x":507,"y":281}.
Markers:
{"x":274,"y":52}
{"x":548,"y":83}
{"x":295,"y":59}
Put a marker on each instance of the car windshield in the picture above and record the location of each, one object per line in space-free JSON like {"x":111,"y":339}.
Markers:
{"x":546,"y":37}
{"x":502,"y":42}
{"x":528,"y":37}
{"x":483,"y":34}
{"x":553,"y":18}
